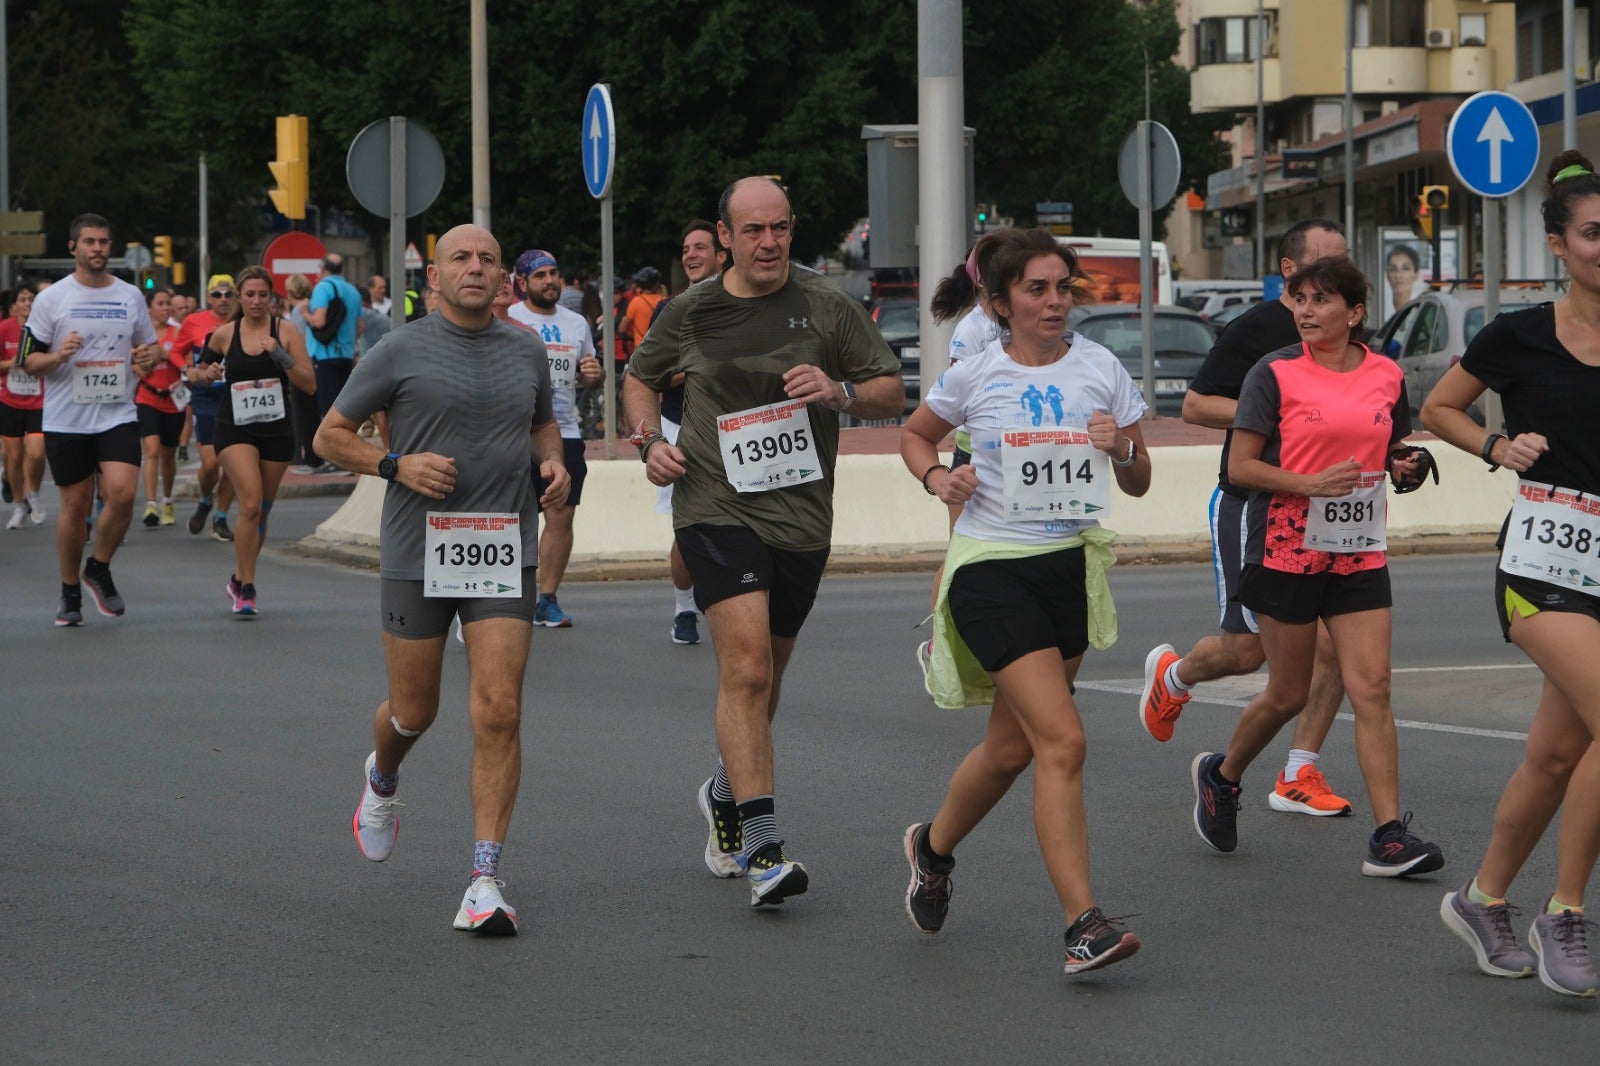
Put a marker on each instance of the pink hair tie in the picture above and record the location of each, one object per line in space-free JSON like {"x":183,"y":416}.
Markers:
{"x":972,"y":266}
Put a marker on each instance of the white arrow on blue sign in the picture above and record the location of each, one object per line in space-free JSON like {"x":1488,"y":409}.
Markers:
{"x":599,"y":140}
{"x":1493,"y":143}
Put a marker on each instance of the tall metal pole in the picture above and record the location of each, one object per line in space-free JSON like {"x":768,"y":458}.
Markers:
{"x":1349,"y":122}
{"x":943,"y":225}
{"x":608,"y":319}
{"x":5,"y":137}
{"x":1147,"y":315}
{"x":397,"y":215}
{"x":1493,"y":414}
{"x":203,"y":275}
{"x":1261,"y":139}
{"x":480,"y":116}
{"x":1569,"y":79}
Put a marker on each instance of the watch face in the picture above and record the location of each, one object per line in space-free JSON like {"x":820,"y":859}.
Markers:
{"x":388,"y":467}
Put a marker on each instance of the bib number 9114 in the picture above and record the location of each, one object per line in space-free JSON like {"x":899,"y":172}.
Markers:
{"x":1053,"y":474}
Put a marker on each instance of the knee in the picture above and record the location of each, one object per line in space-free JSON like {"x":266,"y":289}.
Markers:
{"x":1553,"y":763}
{"x":497,"y":715}
{"x":1062,"y":754}
{"x":1367,"y":688}
{"x":1247,"y":656}
{"x":249,"y":510}
{"x":1008,"y":758}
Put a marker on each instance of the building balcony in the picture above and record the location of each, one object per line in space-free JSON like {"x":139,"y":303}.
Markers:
{"x":1217,"y":9}
{"x":1231,"y":86}
{"x":1382,"y":72}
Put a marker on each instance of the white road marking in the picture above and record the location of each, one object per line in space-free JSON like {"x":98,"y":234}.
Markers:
{"x":1224,"y":694}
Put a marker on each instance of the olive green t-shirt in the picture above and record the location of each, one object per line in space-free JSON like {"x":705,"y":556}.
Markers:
{"x":733,"y":353}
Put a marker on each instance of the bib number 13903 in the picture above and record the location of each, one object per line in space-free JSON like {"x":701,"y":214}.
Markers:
{"x":471,"y":555}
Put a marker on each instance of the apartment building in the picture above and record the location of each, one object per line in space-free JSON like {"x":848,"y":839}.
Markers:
{"x":1412,"y":62}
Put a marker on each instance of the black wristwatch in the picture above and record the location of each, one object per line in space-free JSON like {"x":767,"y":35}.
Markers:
{"x":389,"y":466}
{"x":849,"y":395}
{"x":1488,"y":450}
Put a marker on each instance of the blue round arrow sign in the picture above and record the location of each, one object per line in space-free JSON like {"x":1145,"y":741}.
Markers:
{"x":599,"y":140}
{"x":1493,"y":143}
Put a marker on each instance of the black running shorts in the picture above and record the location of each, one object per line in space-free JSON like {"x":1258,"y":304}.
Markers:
{"x":577,"y":468}
{"x":1300,"y":599}
{"x":154,"y":422}
{"x":75,"y":456}
{"x":729,"y":561}
{"x":1007,"y":608}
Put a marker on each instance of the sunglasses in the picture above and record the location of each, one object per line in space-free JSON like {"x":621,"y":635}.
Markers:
{"x":221,"y":294}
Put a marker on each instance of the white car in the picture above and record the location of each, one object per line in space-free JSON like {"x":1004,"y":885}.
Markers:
{"x":1428,"y":335}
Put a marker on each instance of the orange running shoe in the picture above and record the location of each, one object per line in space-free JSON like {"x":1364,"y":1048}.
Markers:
{"x":1159,"y":707}
{"x":1309,"y":794}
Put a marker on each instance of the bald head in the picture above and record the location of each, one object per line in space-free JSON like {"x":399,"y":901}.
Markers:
{"x":757,"y":226}
{"x":467,"y":272}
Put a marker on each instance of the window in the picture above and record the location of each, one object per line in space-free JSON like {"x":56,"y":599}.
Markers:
{"x":1539,"y":43}
{"x":1473,"y":29}
{"x":1389,"y":23}
{"x":1226,"y":40}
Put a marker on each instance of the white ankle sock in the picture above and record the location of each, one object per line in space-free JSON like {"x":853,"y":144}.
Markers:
{"x":683,"y":600}
{"x":1173,"y":681}
{"x":1297,"y":758}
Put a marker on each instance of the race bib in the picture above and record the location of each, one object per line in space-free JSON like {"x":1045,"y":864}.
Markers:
{"x":1053,"y":474}
{"x":21,"y":383}
{"x":1358,"y":522}
{"x":472,"y":555}
{"x":100,"y":381}
{"x":258,"y":400}
{"x":768,"y":447}
{"x":1554,"y":536}
{"x":179,"y":394}
{"x":563,"y":368}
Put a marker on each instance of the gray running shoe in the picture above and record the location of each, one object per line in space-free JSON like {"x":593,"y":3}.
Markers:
{"x":104,"y":592}
{"x":1560,"y":946}
{"x":1486,"y":928}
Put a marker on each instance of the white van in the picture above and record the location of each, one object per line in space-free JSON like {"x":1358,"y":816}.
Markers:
{"x":1112,"y":264}
{"x":1193,"y":292}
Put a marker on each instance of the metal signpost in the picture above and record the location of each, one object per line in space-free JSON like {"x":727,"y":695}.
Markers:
{"x":1148,"y":166}
{"x":599,"y":164}
{"x":1493,"y":146}
{"x":395,"y":167}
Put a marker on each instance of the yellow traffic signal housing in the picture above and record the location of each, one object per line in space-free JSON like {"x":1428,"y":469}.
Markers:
{"x":180,"y":273}
{"x":1422,"y":221}
{"x":163,"y":250}
{"x":290,"y":169}
{"x":1436,"y":196}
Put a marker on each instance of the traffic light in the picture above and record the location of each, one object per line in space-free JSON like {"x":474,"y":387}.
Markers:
{"x":147,"y":278}
{"x":289,"y":170}
{"x":163,"y":244}
{"x":180,"y":273}
{"x":1422,"y":219}
{"x":433,"y":240}
{"x":1436,"y":196}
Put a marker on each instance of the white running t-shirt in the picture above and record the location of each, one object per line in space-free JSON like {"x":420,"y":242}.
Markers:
{"x":972,"y":334}
{"x":993,"y":394}
{"x":567,"y":340}
{"x":112,"y":320}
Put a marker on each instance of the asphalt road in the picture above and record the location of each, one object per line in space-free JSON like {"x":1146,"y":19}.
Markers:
{"x":179,"y":883}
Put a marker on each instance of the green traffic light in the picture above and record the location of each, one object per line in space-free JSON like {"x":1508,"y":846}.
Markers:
{"x":149,"y":283}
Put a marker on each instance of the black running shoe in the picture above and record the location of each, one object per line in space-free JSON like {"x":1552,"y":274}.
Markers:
{"x":197,"y":521}
{"x":104,"y":591}
{"x":1394,"y":851}
{"x":70,"y":613}
{"x":220,"y":530}
{"x":928,"y":894}
{"x":1093,"y":941}
{"x":1216,"y":803}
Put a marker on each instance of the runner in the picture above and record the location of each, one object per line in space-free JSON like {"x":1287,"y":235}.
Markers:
{"x":702,"y":257}
{"x":459,"y":528}
{"x":1318,"y":426}
{"x":1025,"y":590}
{"x":772,"y":353}
{"x":1545,"y":364}
{"x":21,"y":415}
{"x":160,"y":417}
{"x":206,"y":390}
{"x":261,"y":356}
{"x":573,"y":365}
{"x":87,"y":334}
{"x":1211,"y":401}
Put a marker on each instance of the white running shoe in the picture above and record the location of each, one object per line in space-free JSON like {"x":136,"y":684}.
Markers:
{"x":36,"y":513}
{"x":19,"y":516}
{"x":376,"y":825}
{"x":485,"y":911}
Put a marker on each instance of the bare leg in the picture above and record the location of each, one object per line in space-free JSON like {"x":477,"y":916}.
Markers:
{"x":1322,"y":704}
{"x":983,"y":778}
{"x":242,"y":462}
{"x":555,"y":547}
{"x":414,"y":667}
{"x":118,"y":484}
{"x":746,"y":691}
{"x":497,"y":654}
{"x":1362,"y":640}
{"x":1289,"y":651}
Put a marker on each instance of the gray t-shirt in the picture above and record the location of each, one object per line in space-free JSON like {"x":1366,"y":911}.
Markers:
{"x":472,"y":396}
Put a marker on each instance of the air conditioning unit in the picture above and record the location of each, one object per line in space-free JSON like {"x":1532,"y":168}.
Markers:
{"x":1439,"y":38}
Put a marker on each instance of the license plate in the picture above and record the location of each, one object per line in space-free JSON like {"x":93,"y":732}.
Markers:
{"x":1171,"y":386}
{"x":911,"y":353}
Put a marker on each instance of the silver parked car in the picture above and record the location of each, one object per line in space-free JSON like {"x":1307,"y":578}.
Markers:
{"x":1428,"y":335}
{"x":1182,"y":339}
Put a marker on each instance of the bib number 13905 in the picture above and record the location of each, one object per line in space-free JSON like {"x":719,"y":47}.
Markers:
{"x":769,"y":447}
{"x":472,"y":555}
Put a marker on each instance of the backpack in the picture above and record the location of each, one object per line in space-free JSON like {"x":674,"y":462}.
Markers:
{"x":332,"y":320}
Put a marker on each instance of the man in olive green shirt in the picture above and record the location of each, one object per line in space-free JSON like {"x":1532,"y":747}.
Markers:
{"x":770,"y":353}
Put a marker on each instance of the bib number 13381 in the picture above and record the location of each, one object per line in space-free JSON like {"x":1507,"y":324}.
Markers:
{"x":1554,"y":536}
{"x":472,"y":555}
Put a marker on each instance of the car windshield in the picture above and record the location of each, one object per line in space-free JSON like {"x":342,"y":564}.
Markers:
{"x":898,"y":321}
{"x":1123,"y":335}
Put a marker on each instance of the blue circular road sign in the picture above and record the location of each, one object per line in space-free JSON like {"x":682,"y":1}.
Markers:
{"x":1493,"y":143}
{"x":599,"y":141}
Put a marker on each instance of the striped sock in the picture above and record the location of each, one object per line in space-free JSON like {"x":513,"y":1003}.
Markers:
{"x":760,"y":825}
{"x":486,"y":858}
{"x":383,"y":784}
{"x":721,"y":787}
